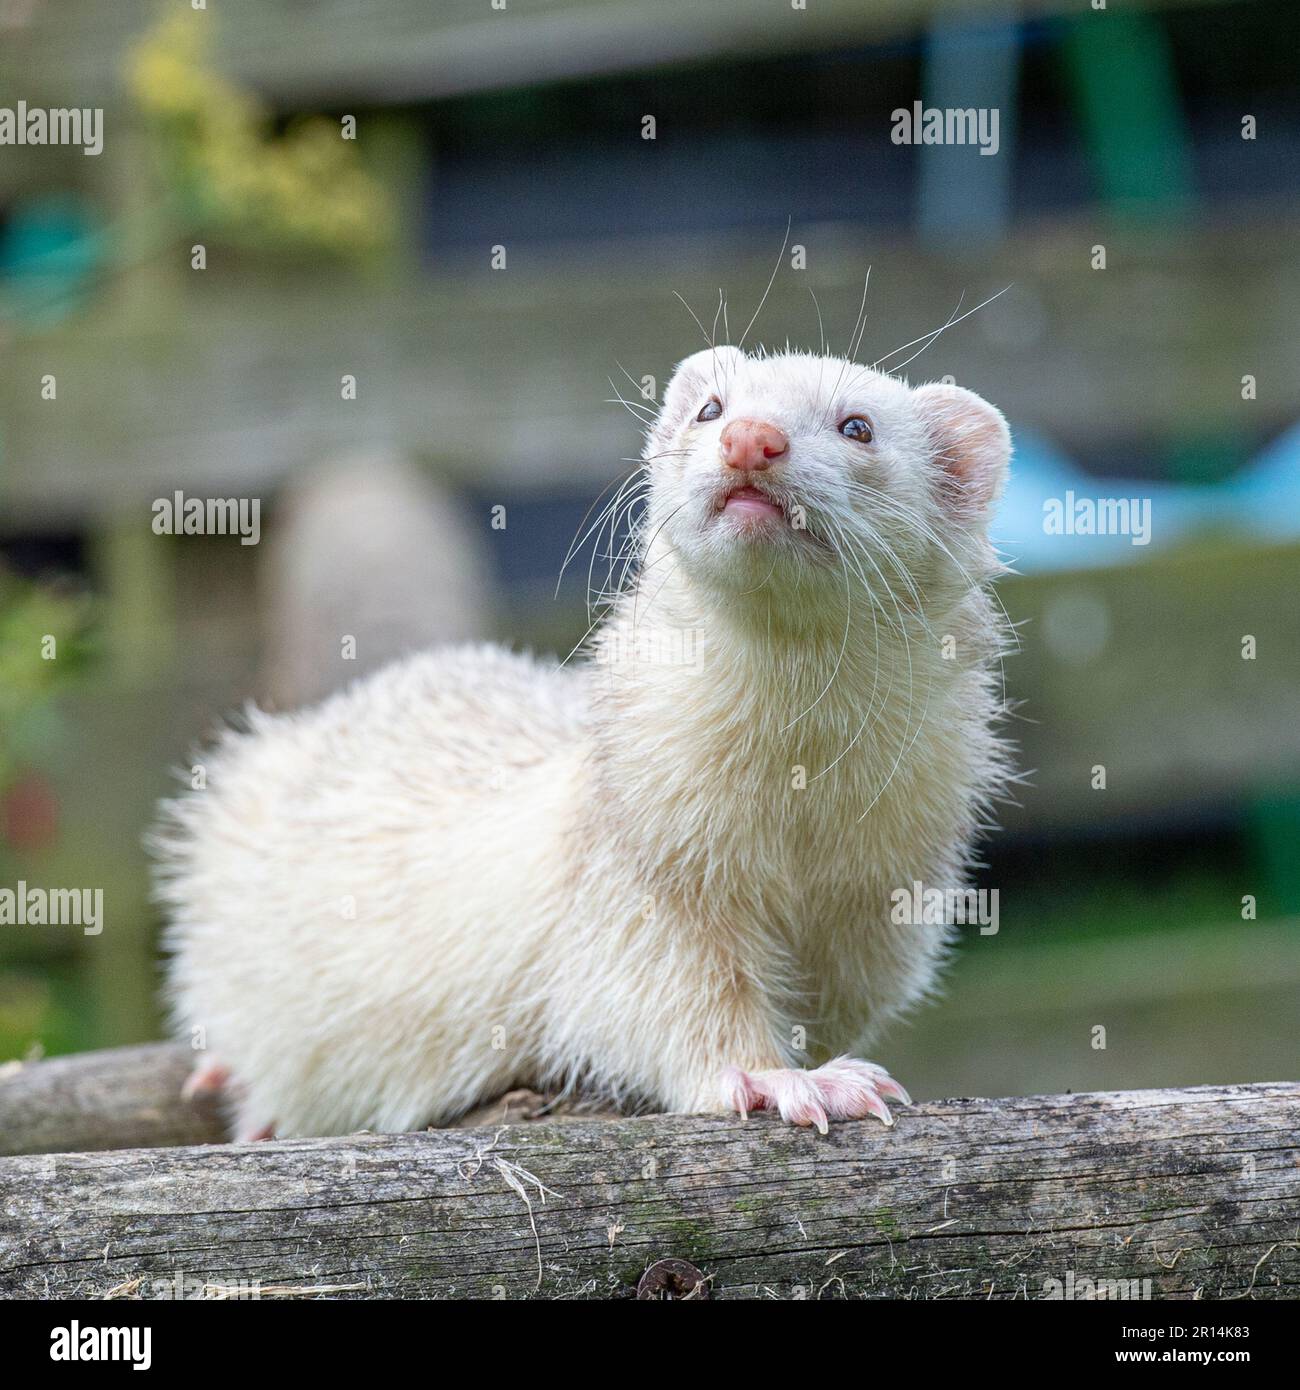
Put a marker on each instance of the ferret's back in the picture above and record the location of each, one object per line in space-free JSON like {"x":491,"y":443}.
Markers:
{"x":346,"y":858}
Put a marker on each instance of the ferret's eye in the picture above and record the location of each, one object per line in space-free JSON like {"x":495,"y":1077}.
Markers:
{"x":711,"y":409}
{"x":856,"y":427}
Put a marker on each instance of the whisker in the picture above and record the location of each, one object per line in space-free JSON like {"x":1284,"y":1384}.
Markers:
{"x":875,"y":679}
{"x":911,"y":689}
{"x":646,"y":417}
{"x":703,"y":331}
{"x":636,"y":386}
{"x":772,"y":281}
{"x":621,"y":507}
{"x":608,"y":513}
{"x":861,"y":325}
{"x":928,"y":338}
{"x":914,"y":518}
{"x":645,"y":551}
{"x":844,"y":642}
{"x":575,"y":545}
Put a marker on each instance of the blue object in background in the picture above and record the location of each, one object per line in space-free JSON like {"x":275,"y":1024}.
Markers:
{"x":1262,"y":501}
{"x":1266,"y":496}
{"x":50,"y":248}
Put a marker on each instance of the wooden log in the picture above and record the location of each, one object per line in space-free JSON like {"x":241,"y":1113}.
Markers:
{"x":120,"y":1098}
{"x":1163,"y":1194}
{"x":130,"y":1097}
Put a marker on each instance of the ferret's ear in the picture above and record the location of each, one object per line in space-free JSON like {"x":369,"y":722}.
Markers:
{"x":971,"y":445}
{"x":705,"y":373}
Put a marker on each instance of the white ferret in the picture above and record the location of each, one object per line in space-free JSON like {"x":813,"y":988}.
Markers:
{"x":670,"y":875}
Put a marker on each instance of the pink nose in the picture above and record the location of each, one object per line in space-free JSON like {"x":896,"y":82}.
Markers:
{"x":752,"y":445}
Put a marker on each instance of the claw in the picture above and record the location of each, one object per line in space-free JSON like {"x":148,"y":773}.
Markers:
{"x":818,"y":1117}
{"x":736,"y":1091}
{"x":206,"y":1079}
{"x":878,"y":1108}
{"x":889,"y":1087}
{"x":844,"y":1089}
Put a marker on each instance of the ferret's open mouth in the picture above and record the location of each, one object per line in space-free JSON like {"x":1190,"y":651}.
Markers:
{"x":749,"y":504}
{"x":757,"y":515}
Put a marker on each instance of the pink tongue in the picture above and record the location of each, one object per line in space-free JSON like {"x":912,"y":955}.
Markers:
{"x":752,"y":504}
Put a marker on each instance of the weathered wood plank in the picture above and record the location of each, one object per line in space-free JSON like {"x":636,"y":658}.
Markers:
{"x":130,"y":1097}
{"x":1196,"y":1191}
{"x":1167,"y":672}
{"x":409,"y":50}
{"x":119,"y":1098}
{"x":503,"y":380}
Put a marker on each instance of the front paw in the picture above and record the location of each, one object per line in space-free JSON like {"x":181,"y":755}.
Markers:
{"x":844,"y":1089}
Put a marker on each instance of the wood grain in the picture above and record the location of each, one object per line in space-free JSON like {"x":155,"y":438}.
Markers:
{"x":120,"y":1098}
{"x":1197,"y":1192}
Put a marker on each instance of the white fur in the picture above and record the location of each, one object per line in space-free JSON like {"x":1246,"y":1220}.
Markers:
{"x":474,"y":870}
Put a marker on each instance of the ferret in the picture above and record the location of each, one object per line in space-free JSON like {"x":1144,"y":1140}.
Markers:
{"x":667,"y":874}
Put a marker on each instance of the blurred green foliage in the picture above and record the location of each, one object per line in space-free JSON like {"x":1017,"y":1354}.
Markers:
{"x":302,"y":190}
{"x":44,"y":644}
{"x":45,"y":1010}
{"x":45,"y":647}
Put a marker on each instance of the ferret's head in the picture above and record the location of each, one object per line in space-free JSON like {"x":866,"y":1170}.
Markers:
{"x":774,"y":473}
